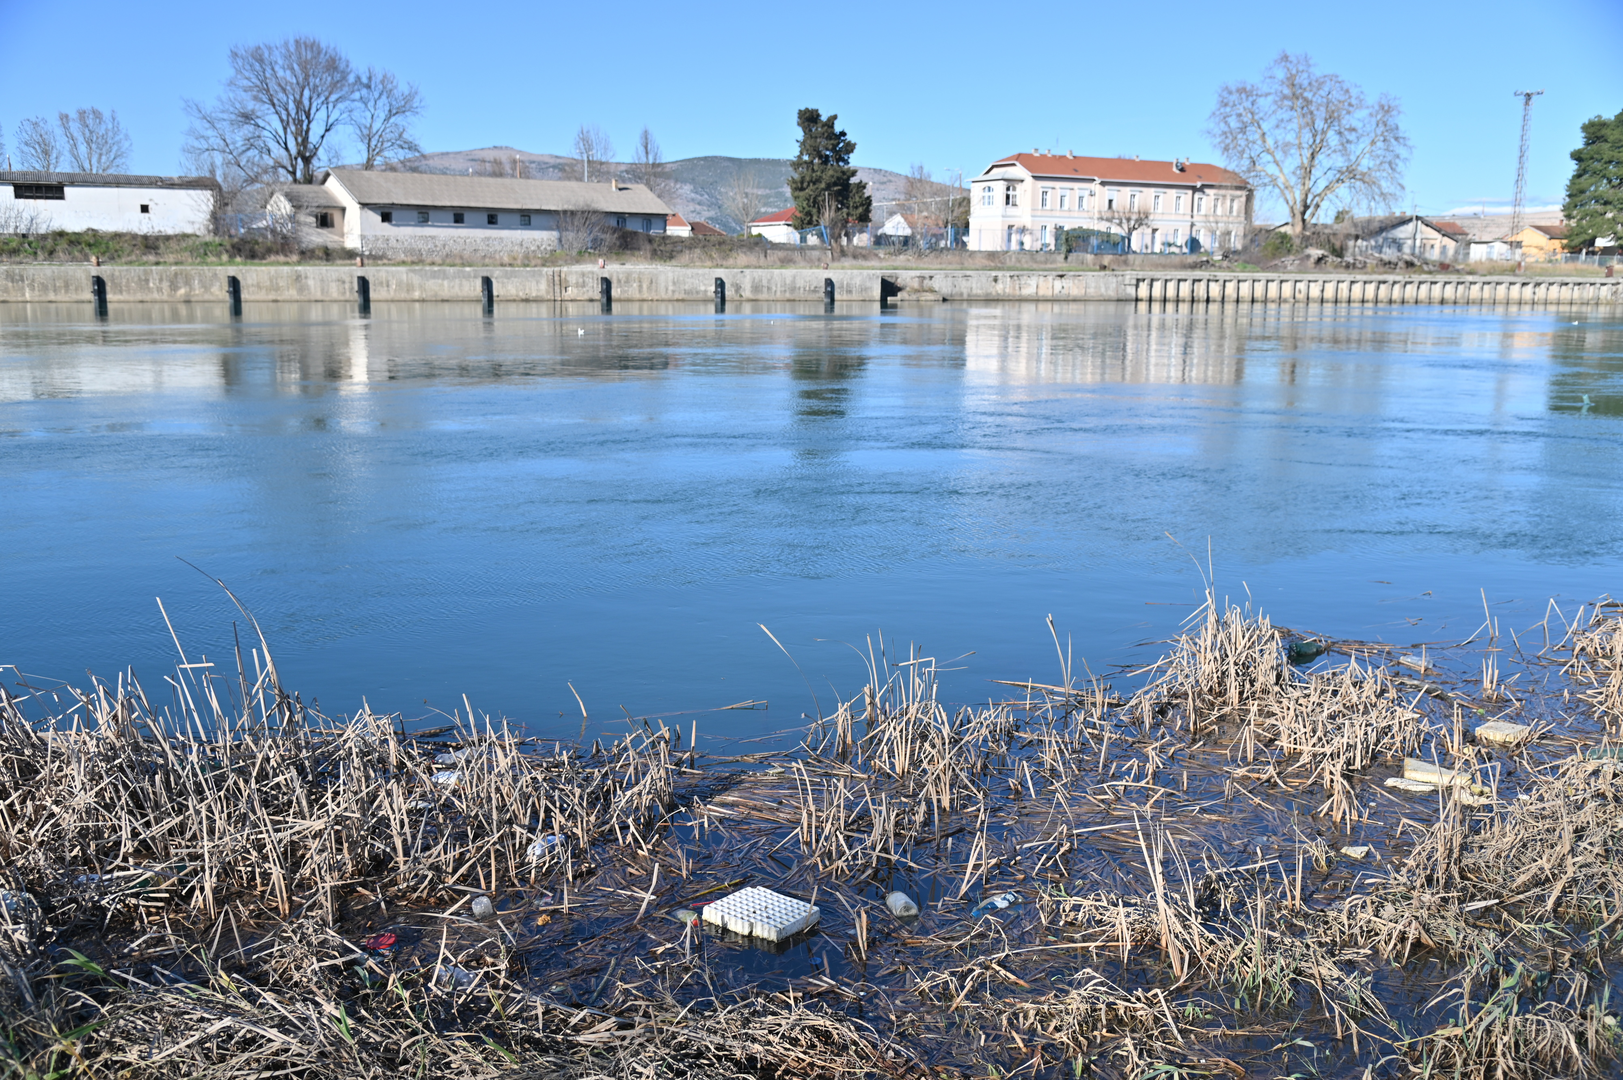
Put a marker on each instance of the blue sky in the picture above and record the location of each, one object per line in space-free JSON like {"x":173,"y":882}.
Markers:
{"x":951,"y":85}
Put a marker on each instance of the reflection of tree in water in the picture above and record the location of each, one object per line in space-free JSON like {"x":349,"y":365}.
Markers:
{"x":1587,"y":362}
{"x":825,"y":374}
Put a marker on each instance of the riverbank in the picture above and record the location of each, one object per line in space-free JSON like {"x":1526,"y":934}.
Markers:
{"x":1271,"y":854}
{"x":578,"y":284}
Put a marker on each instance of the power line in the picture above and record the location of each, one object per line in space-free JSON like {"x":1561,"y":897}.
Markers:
{"x":1527,"y":97}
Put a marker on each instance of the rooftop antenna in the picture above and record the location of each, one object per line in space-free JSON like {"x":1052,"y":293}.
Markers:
{"x":1527,"y":97}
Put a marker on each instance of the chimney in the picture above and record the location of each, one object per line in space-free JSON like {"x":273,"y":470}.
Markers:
{"x":1069,"y":154}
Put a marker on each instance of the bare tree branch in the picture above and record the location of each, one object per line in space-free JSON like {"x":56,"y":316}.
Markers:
{"x":95,"y":143}
{"x":1314,"y":138}
{"x":742,"y":198}
{"x":280,"y":106}
{"x":380,"y":115}
{"x":37,"y":150}
{"x":648,"y":166}
{"x":592,"y":149}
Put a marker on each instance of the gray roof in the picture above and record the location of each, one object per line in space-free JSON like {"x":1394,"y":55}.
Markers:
{"x":309,"y":197}
{"x":107,"y":180}
{"x":495,"y":193}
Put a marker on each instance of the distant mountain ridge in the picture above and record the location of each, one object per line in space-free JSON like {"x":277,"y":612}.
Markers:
{"x":698,"y":186}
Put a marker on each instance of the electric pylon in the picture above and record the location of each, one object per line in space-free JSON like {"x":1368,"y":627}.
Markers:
{"x":1527,"y":97}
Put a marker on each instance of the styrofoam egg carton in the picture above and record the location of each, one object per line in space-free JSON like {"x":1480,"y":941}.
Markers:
{"x":762,"y":913}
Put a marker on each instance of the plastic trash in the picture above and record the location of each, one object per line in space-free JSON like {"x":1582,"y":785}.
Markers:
{"x":461,"y":978}
{"x":685,"y":915}
{"x":483,"y":908}
{"x":901,"y":905}
{"x":543,"y":847}
{"x":762,"y":913}
{"x":1503,"y":733}
{"x":996,"y":903}
{"x":1604,"y":753}
{"x":380,"y":942}
{"x":1300,"y":652}
{"x":447,"y":778}
{"x":1356,"y":851}
{"x":1418,"y":663}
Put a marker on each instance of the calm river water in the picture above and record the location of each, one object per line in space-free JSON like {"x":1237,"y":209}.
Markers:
{"x":427,"y":503}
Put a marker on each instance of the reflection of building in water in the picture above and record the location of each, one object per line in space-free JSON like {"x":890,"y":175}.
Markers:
{"x":359,"y":351}
{"x":1034,"y":343}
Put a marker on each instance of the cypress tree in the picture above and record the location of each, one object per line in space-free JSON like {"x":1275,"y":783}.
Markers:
{"x":823,"y":178}
{"x":1594,"y":206}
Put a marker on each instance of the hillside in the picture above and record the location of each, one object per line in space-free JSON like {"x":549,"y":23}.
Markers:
{"x":700,"y":187}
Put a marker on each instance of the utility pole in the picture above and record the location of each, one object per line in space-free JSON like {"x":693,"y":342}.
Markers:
{"x":1527,"y":97}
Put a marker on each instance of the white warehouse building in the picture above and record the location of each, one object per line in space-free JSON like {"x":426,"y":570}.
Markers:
{"x":400,"y":213}
{"x":109,"y":202}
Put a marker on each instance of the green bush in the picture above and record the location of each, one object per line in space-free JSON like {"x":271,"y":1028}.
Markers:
{"x":1278,"y":245}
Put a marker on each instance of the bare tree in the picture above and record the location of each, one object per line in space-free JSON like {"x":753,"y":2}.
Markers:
{"x":3,"y":146}
{"x":742,"y":198}
{"x":648,"y":166}
{"x":592,"y":150}
{"x":581,"y":230}
{"x":37,"y":148}
{"x":95,"y":143}
{"x":280,"y":105}
{"x":499,"y":165}
{"x":1314,"y":138}
{"x":380,"y":118}
{"x":1128,"y":217}
{"x":232,"y":193}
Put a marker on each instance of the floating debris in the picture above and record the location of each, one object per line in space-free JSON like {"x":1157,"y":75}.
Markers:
{"x":996,"y":903}
{"x":1356,"y":851}
{"x":901,"y":905}
{"x":380,"y":942}
{"x":1503,"y":733}
{"x":542,"y":847}
{"x":762,"y":913}
{"x":1418,"y":663}
{"x":447,"y":778}
{"x":685,"y":915}
{"x":482,"y":907}
{"x":1301,"y":652}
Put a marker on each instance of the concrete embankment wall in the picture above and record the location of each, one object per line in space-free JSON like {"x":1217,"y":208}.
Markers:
{"x":71,"y":284}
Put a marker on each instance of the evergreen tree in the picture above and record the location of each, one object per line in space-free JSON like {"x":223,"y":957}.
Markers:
{"x":1594,"y":206}
{"x":823,"y":181}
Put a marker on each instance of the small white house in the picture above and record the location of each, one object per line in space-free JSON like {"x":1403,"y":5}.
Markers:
{"x":108,"y":202}
{"x":426,"y":213}
{"x":778,"y":227}
{"x":1422,"y":237}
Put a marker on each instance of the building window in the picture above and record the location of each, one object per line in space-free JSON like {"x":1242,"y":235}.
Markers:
{"x":1064,"y":199}
{"x":38,"y":191}
{"x":458,"y":218}
{"x":647,"y":225}
{"x":1132,"y":201}
{"x":1110,"y":198}
{"x":1234,"y":206}
{"x":1045,"y":237}
{"x":1177,"y":237}
{"x":986,"y":195}
{"x":146,"y":208}
{"x":1155,"y":204}
{"x":422,"y":217}
{"x":386,"y":216}
{"x":490,"y":219}
{"x":1200,"y":204}
{"x":1011,"y":195}
{"x":620,"y":221}
{"x":1177,"y":203}
{"x":1046,"y":192}
{"x":323,"y":219}
{"x":524,"y":219}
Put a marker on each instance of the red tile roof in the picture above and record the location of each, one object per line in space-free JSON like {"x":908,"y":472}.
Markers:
{"x":1452,"y":228}
{"x":1120,"y":169}
{"x":675,"y":221}
{"x":704,"y":228}
{"x":1554,"y":232}
{"x":777,"y":217}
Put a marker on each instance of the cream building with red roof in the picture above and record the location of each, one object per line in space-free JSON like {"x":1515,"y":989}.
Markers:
{"x":1021,"y":202}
